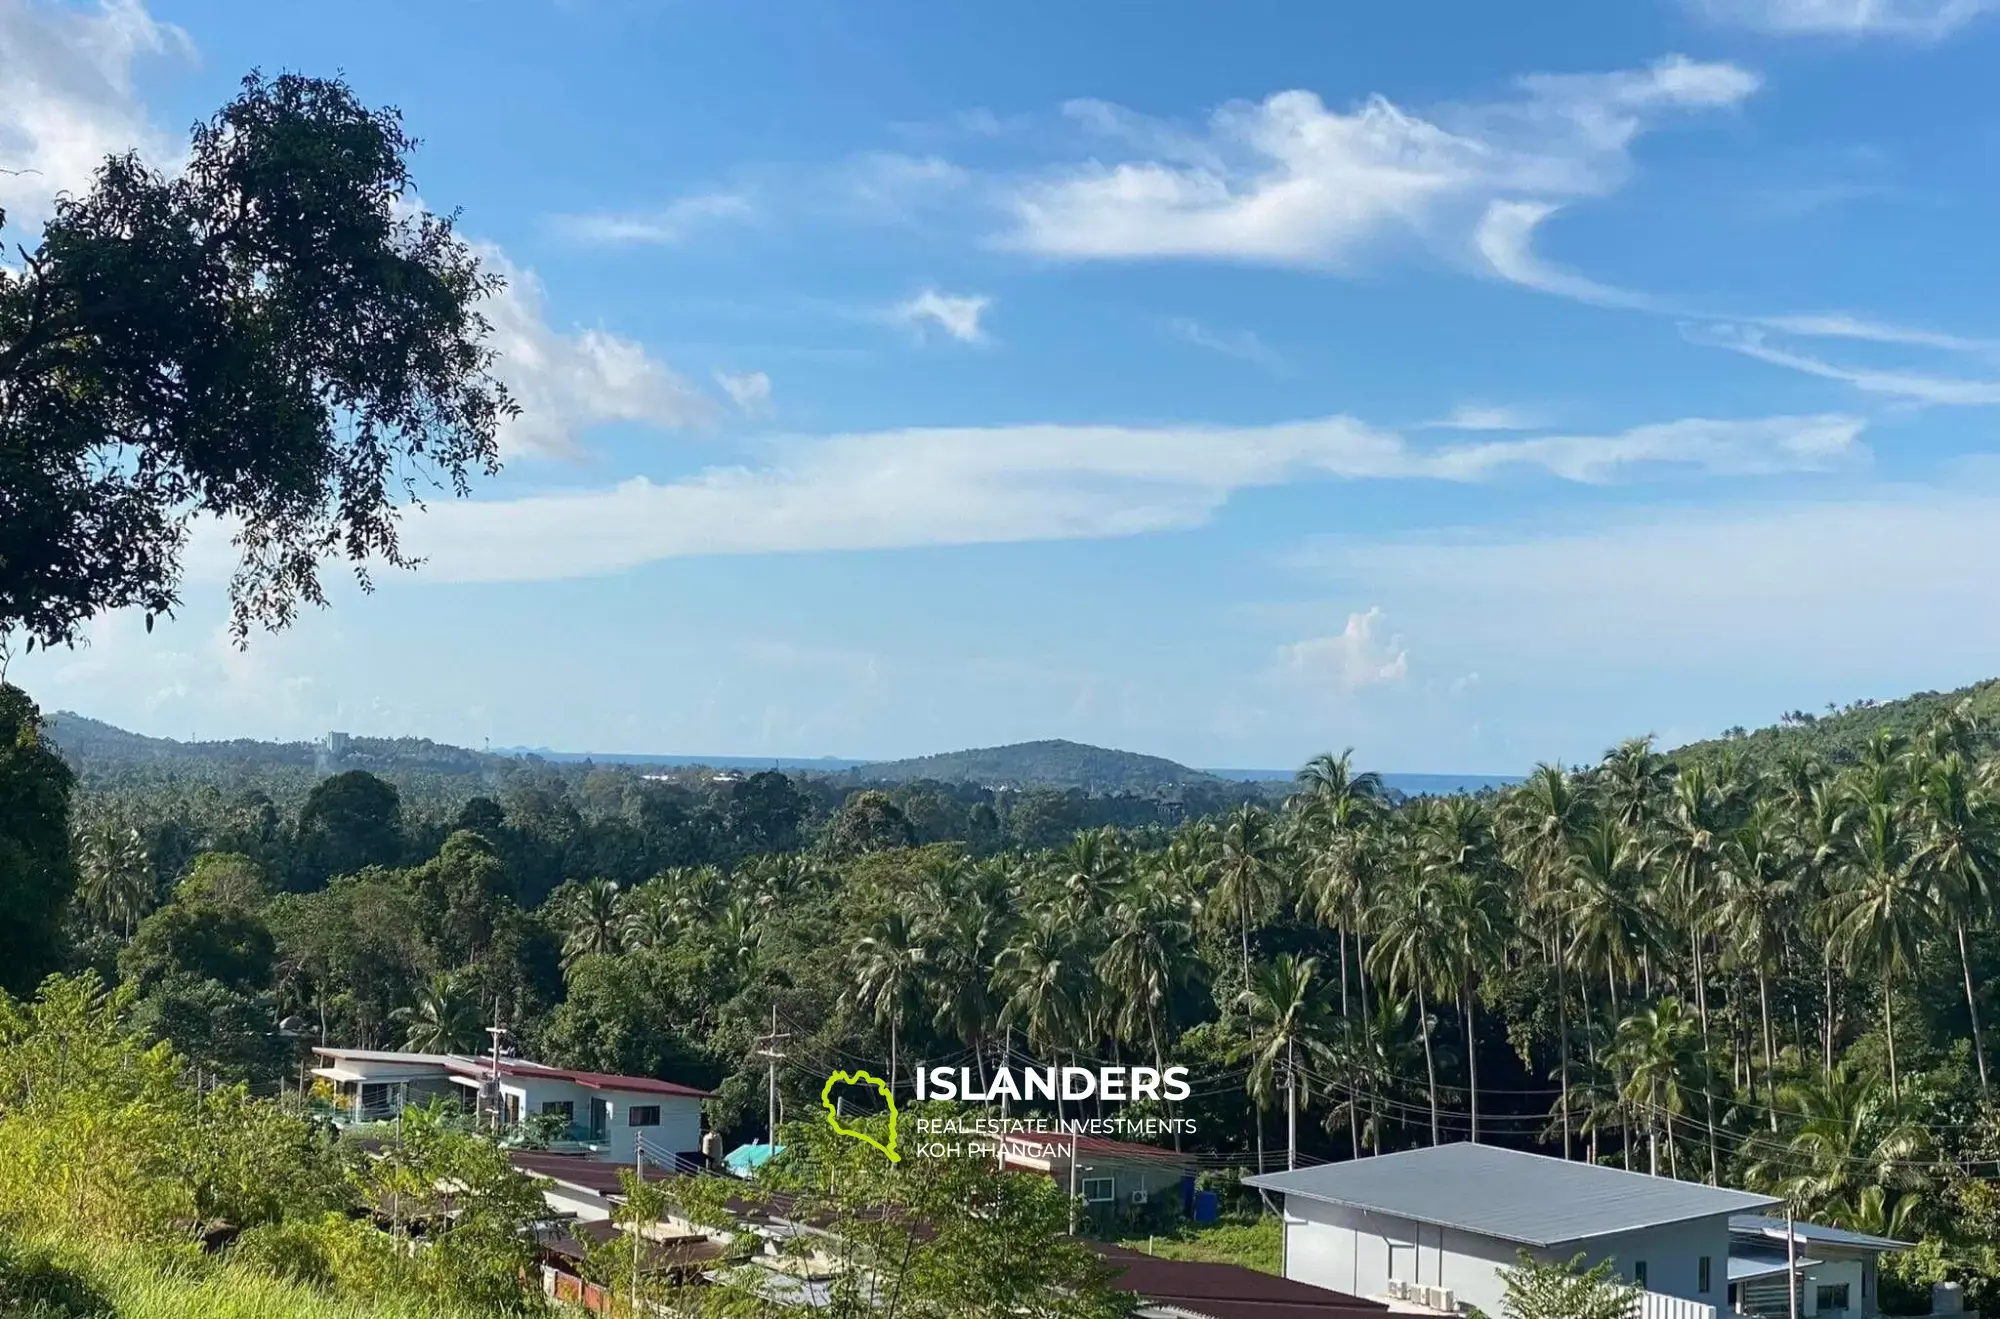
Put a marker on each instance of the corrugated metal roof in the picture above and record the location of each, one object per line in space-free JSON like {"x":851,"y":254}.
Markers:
{"x":1528,"y":1199}
{"x":1750,"y":1265}
{"x":1818,"y":1233}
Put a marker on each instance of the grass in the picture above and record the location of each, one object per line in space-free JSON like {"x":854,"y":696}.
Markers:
{"x":1255,"y":1243}
{"x":132,"y":1284}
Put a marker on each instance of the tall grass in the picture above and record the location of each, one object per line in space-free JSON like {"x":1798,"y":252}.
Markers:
{"x":141,"y":1284}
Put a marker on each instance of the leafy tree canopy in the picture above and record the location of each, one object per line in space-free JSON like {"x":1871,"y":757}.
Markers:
{"x":276,"y":337}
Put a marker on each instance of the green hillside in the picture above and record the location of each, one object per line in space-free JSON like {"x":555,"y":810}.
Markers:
{"x":1049,"y":764}
{"x":1834,"y":735}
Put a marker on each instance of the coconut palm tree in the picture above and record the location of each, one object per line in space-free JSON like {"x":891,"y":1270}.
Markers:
{"x":116,"y":880}
{"x":1850,"y":1151}
{"x":1658,"y":1049}
{"x":1883,"y":911}
{"x":1089,"y":870}
{"x":596,"y":911}
{"x":1411,"y":952}
{"x":1545,"y":821}
{"x":888,"y":964}
{"x":1475,"y":918}
{"x":1150,"y":964}
{"x":1760,"y":901}
{"x":967,"y":920}
{"x":1249,"y":874}
{"x":444,"y":1019}
{"x":1335,"y":829}
{"x":649,"y":919}
{"x":1959,"y":856}
{"x":1289,"y":1021}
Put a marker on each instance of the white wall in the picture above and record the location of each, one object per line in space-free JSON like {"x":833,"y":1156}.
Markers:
{"x":679,"y":1131}
{"x":1352,"y":1251}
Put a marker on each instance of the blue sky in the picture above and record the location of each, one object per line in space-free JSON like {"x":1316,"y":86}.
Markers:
{"x":1471,"y":385}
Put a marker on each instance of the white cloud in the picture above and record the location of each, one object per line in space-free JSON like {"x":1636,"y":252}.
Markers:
{"x":67,"y":98}
{"x":566,"y":383}
{"x":1355,"y":658}
{"x":671,"y":223}
{"x":1767,"y":587}
{"x":750,"y":391}
{"x":1486,"y":417}
{"x":958,"y":316}
{"x":1919,"y":19}
{"x":1288,"y":181}
{"x":1243,"y":345}
{"x":1505,"y":241}
{"x":963,"y":486}
{"x":1912,"y":386}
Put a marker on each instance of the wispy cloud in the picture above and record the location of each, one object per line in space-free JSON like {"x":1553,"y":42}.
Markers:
{"x":1288,"y":181}
{"x":1243,"y":345}
{"x":1911,"y":386}
{"x":893,"y":489}
{"x":750,"y":391}
{"x":1914,"y":19}
{"x":1486,"y":417}
{"x":671,"y":223}
{"x":958,"y":315}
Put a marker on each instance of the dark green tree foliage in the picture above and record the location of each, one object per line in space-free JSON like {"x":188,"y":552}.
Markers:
{"x":869,"y":822}
{"x":273,"y":337}
{"x":36,"y":872}
{"x":349,"y":822}
{"x":206,"y":940}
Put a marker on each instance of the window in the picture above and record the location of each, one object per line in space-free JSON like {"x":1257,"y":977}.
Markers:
{"x":1832,"y":1297}
{"x":1701,"y":1276}
{"x":562,"y":1106}
{"x":1099,"y":1190}
{"x":1638,"y":1273}
{"x":642,"y":1115}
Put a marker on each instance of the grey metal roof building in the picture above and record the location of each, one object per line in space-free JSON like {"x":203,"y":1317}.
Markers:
{"x":1509,"y":1195}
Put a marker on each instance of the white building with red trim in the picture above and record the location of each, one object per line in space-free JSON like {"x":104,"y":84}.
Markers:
{"x":611,"y":1117}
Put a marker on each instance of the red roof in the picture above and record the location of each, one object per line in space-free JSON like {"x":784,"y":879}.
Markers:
{"x":1228,"y":1291}
{"x":642,"y":1085}
{"x":1097,"y":1146}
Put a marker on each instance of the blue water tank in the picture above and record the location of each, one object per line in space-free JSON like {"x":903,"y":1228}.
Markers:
{"x":1207,"y":1207}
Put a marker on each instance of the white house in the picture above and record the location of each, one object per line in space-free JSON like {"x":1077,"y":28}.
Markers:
{"x":608,"y":1115}
{"x":1109,"y":1174}
{"x":1837,"y":1270}
{"x":1436,"y":1226}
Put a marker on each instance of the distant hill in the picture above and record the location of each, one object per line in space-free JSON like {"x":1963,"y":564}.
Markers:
{"x":1050,"y":764}
{"x":1835,"y":736}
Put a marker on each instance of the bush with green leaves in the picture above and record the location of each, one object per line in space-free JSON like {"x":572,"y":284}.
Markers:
{"x":1547,"y":1289}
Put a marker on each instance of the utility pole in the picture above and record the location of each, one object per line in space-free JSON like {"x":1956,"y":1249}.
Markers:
{"x":1791,"y":1263}
{"x":1074,"y":1189}
{"x":497,"y":1031}
{"x":1291,"y":1112}
{"x":770,"y":1051}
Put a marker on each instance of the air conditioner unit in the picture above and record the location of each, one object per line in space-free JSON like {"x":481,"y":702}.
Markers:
{"x":1139,"y":1196}
{"x":1398,"y":1289}
{"x":1443,"y":1299}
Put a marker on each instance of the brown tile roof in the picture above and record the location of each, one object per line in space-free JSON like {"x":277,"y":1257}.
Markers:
{"x":1229,"y":1291}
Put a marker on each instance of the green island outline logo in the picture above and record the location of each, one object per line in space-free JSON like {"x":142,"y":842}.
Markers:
{"x":833,"y":1114}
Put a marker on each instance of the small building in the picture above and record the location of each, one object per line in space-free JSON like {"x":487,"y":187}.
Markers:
{"x":610,"y":1117}
{"x":1109,"y":1174}
{"x":1838,"y":1271}
{"x":1435,"y":1226}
